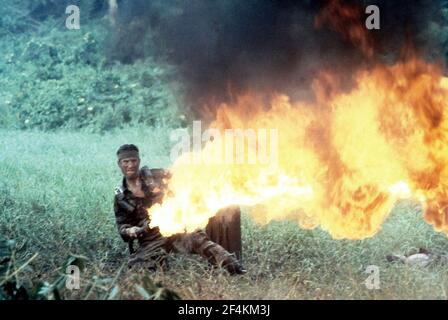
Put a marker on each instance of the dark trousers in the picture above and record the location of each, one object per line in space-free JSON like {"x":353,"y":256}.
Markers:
{"x":153,"y":248}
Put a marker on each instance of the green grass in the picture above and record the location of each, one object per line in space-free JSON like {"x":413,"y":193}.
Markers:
{"x":56,"y":192}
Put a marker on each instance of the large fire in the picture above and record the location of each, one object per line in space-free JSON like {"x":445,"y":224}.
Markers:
{"x":341,"y":163}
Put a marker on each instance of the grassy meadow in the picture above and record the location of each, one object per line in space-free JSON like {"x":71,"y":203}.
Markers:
{"x":56,"y":192}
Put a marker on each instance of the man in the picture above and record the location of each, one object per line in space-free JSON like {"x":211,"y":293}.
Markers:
{"x":140,"y":189}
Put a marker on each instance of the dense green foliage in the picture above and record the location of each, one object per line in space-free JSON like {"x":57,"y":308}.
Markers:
{"x":53,"y":77}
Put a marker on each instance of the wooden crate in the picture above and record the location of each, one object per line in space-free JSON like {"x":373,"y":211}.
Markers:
{"x":225,"y":229}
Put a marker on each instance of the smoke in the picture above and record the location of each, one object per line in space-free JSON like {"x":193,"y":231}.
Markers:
{"x":223,"y":48}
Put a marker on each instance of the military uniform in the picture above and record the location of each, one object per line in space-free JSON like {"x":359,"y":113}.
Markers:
{"x":131,"y":211}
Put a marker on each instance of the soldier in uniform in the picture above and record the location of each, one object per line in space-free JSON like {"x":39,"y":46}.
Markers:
{"x":140,"y":189}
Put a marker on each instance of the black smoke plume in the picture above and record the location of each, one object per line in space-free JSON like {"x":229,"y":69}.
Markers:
{"x":223,"y":48}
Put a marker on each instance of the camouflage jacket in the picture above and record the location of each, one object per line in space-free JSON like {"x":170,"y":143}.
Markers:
{"x":131,"y":211}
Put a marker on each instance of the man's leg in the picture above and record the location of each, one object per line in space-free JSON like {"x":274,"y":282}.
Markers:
{"x":199,"y":243}
{"x":150,"y":254}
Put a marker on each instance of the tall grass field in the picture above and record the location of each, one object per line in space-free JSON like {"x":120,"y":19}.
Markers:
{"x":56,"y":192}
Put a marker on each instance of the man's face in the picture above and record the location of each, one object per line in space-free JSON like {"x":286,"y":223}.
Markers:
{"x":129,"y":167}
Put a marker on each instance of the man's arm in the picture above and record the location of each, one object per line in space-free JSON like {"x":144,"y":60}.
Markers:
{"x":120,"y":219}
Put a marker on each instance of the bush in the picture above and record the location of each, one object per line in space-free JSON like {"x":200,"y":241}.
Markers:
{"x":59,"y":78}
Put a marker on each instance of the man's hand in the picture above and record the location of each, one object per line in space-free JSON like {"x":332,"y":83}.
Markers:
{"x":133,"y":232}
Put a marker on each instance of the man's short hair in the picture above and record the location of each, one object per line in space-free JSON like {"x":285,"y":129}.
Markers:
{"x":128,"y":151}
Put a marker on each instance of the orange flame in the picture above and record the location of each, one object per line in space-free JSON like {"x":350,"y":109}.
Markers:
{"x":342,"y":162}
